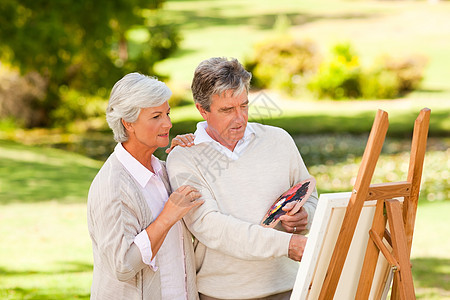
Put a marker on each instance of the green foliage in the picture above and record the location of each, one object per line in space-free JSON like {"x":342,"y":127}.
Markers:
{"x":289,"y":65}
{"x":84,"y":45}
{"x":282,"y":63}
{"x":76,"y":105}
{"x":379,"y":84}
{"x":338,"y":78}
{"x":342,"y":77}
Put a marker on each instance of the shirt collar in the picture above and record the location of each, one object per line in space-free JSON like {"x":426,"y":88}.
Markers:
{"x":140,"y":173}
{"x":201,"y":136}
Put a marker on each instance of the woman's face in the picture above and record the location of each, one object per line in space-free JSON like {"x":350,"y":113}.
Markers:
{"x":151,"y":129}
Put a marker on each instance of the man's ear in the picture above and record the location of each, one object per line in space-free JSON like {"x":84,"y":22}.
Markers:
{"x":128,"y":126}
{"x":202,"y":111}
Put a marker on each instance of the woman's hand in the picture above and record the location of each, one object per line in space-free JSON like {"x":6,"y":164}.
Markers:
{"x":177,"y":206}
{"x":184,"y":140}
{"x":181,"y":202}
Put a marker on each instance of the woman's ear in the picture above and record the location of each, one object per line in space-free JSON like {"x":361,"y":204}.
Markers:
{"x":128,"y":126}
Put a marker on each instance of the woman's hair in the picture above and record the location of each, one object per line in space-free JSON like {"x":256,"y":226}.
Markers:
{"x":131,"y":93}
{"x":217,"y":75}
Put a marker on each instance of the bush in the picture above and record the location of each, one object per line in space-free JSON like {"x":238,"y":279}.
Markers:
{"x":282,"y":63}
{"x":379,"y":84}
{"x":342,"y":77}
{"x":338,"y":78}
{"x":407,"y":70}
{"x":76,"y":106}
{"x":21,"y":97}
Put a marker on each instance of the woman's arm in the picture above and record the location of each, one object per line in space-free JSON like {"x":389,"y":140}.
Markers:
{"x":180,"y":202}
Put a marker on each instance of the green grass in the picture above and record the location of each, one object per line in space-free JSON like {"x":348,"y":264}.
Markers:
{"x":46,"y":250}
{"x":430,"y":252}
{"x":231,"y":28}
{"x":33,"y":175}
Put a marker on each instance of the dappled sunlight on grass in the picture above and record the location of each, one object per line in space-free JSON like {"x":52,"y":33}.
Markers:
{"x":44,"y":193}
{"x":334,"y":161}
{"x":46,"y":251}
{"x":44,"y":174}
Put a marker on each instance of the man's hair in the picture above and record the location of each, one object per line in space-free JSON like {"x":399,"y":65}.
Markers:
{"x":217,"y":75}
{"x":128,"y":96}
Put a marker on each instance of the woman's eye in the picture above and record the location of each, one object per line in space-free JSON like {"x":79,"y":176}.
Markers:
{"x":156,"y":117}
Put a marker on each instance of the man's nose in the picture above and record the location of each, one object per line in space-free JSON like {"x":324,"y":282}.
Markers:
{"x":239,"y":115}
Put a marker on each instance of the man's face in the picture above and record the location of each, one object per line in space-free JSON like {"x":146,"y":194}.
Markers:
{"x":227,"y":118}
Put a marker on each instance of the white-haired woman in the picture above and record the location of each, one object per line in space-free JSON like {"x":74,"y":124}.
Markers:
{"x":141,"y":247}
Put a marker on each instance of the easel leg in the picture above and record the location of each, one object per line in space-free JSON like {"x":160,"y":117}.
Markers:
{"x":372,"y":252}
{"x":403,"y":280}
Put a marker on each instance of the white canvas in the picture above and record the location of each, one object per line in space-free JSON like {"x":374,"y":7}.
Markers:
{"x":319,"y":249}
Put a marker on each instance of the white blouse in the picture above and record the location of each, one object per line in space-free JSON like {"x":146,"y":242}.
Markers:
{"x":171,"y":254}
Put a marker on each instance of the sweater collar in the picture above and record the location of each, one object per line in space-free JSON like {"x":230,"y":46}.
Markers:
{"x":201,"y":136}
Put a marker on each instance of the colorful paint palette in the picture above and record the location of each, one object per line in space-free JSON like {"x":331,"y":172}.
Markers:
{"x":298,"y":193}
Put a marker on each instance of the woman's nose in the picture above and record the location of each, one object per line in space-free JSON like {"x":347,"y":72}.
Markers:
{"x":168,"y":122}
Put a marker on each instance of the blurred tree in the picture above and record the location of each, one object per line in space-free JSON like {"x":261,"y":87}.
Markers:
{"x":83,"y":45}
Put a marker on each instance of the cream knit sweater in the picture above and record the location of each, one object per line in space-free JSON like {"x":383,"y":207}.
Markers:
{"x":237,"y":258}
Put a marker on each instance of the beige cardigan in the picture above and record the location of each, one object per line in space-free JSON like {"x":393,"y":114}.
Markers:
{"x":116,"y":213}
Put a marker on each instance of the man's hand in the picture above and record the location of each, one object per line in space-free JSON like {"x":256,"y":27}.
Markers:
{"x":184,"y":140}
{"x":295,"y":223}
{"x":297,"y":247}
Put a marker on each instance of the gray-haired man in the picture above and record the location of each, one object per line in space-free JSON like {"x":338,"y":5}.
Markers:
{"x":240,"y":168}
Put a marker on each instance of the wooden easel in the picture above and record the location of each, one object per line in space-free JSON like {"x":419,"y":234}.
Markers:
{"x":401,"y":218}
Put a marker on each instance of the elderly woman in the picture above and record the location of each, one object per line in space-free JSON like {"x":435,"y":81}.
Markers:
{"x":141,"y":248}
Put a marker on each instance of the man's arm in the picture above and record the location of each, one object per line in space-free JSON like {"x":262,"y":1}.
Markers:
{"x":221,"y":232}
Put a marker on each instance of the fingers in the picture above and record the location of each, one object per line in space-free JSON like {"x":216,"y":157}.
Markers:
{"x":192,"y":196}
{"x":295,"y":229}
{"x":289,"y":206}
{"x":295,"y":223}
{"x":190,"y":138}
{"x":187,"y":194}
{"x":185,"y":139}
{"x":186,"y":189}
{"x":197,"y":202}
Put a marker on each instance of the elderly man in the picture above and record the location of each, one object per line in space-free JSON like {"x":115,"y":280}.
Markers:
{"x":240,"y":169}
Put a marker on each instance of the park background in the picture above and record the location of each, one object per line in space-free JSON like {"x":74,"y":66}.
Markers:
{"x":59,"y":60}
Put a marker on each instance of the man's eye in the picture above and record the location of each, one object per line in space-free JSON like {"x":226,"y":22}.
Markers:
{"x":156,"y":117}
